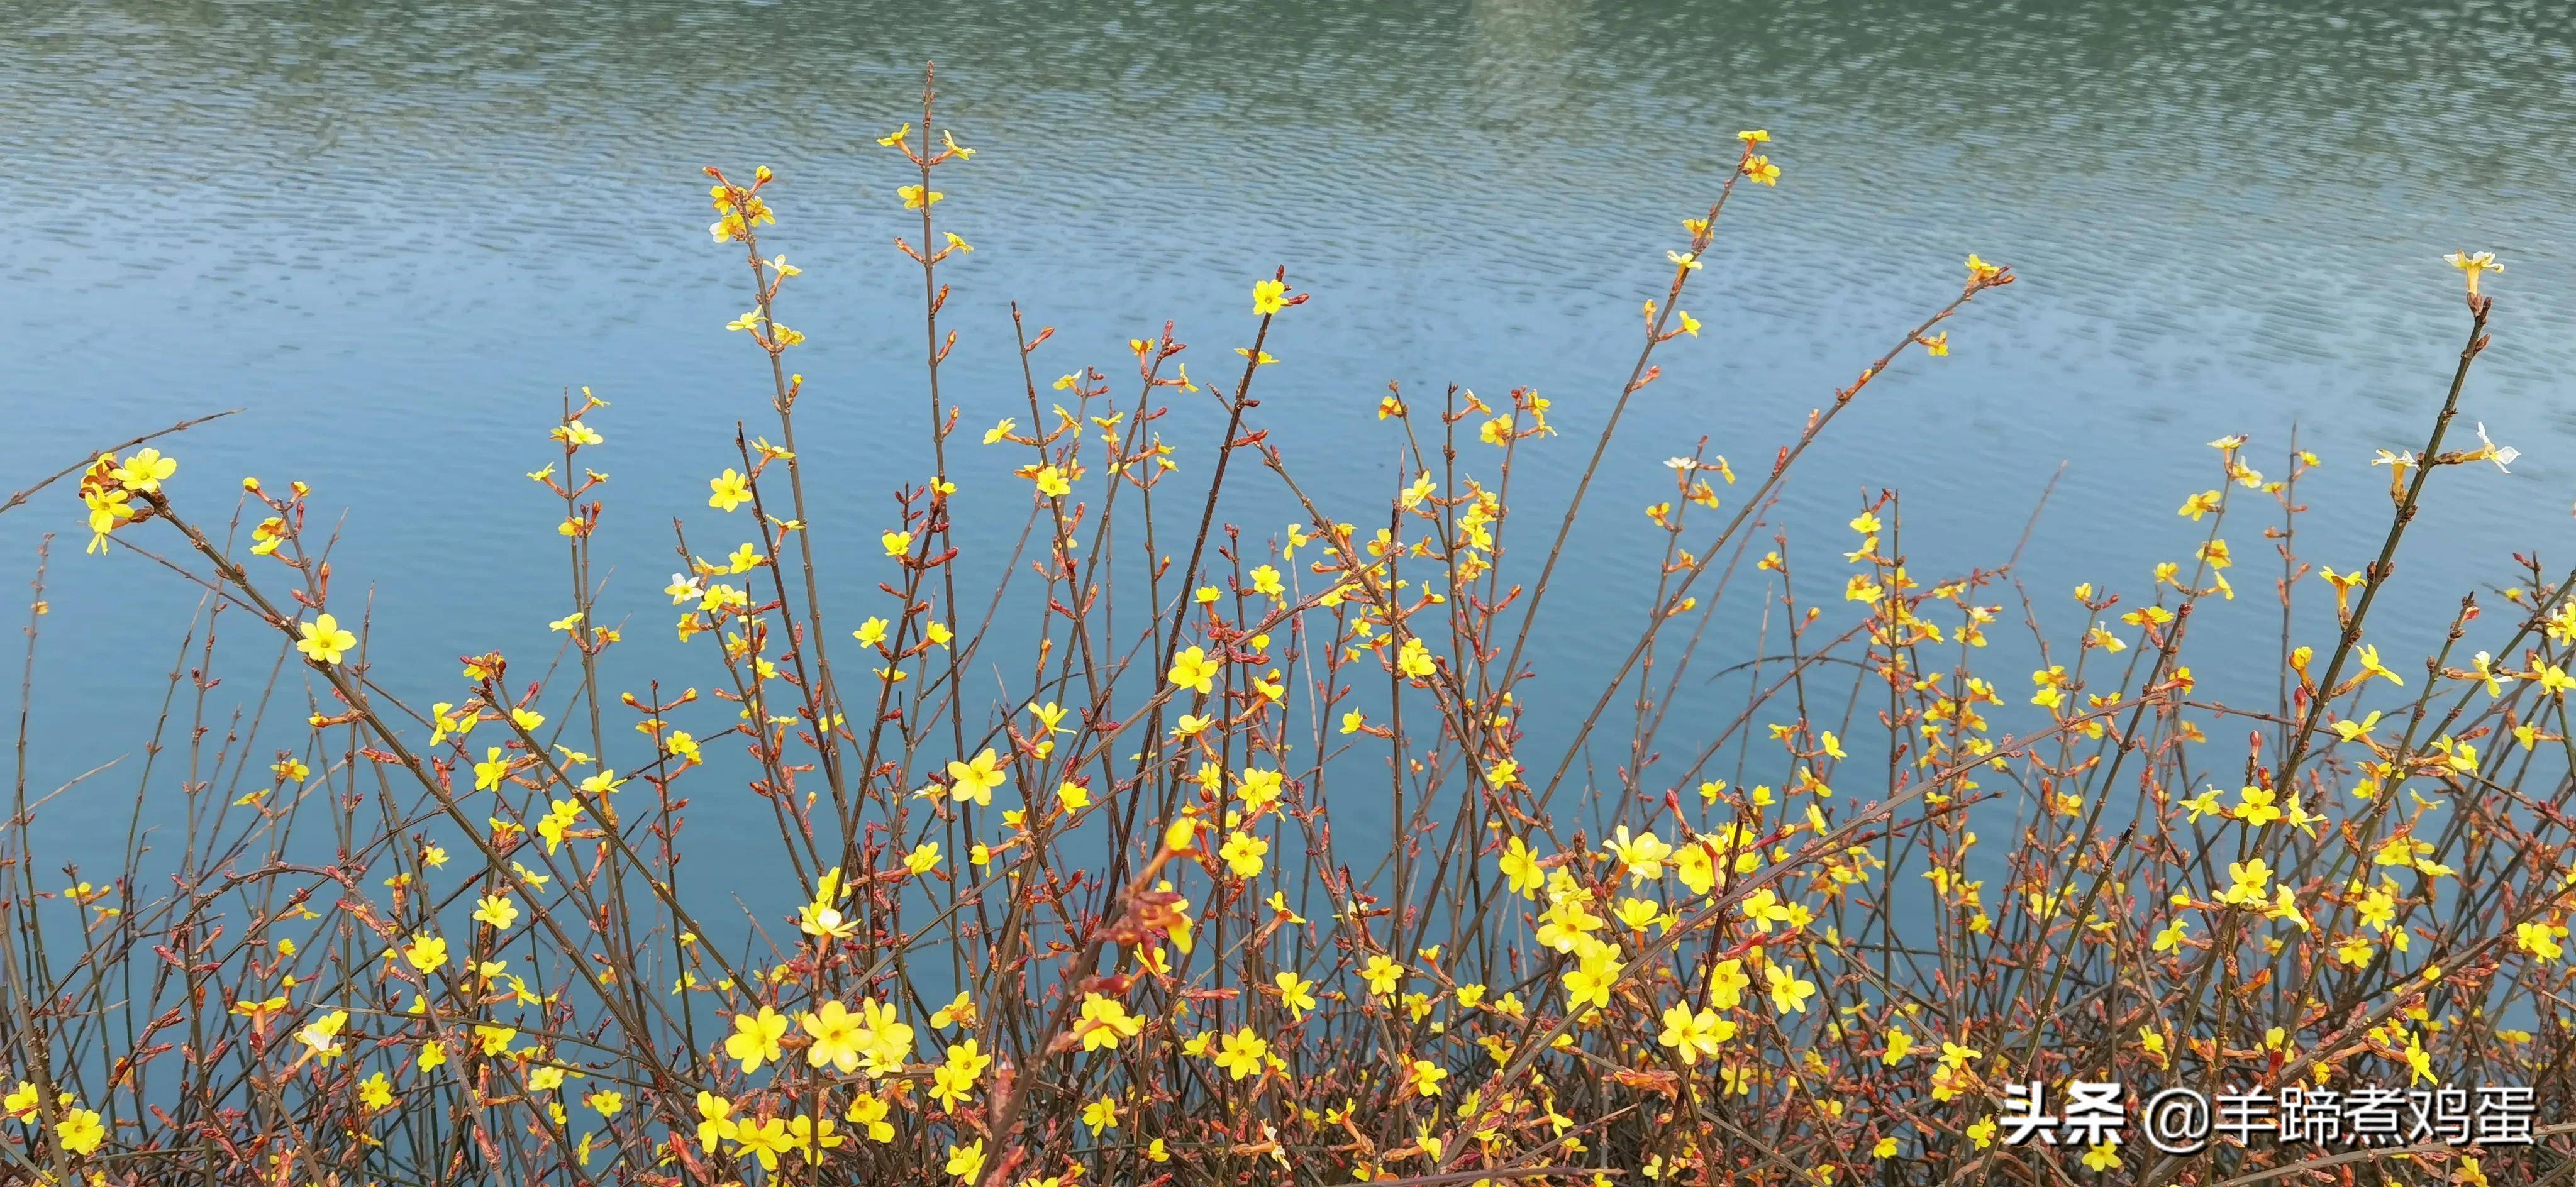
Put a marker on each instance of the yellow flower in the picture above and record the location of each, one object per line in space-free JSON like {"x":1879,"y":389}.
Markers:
{"x":145,"y":471}
{"x":893,"y":1038}
{"x":728,"y":491}
{"x":755,"y":1038}
{"x":2248,"y":882}
{"x":975,"y":780}
{"x":1643,"y":856}
{"x":954,"y":1079}
{"x":960,"y":1011}
{"x":426,"y":953}
{"x":1383,"y":975}
{"x":764,"y":1140}
{"x":1413,"y":660}
{"x":869,"y":1113}
{"x":1697,"y":869}
{"x":2370,"y":665}
{"x":107,"y":510}
{"x":2473,"y":264}
{"x":839,"y":1037}
{"x":2256,"y":807}
{"x":1520,"y":867}
{"x":2419,"y":1062}
{"x":1241,"y":1053}
{"x":2351,"y":731}
{"x":267,"y":535}
{"x":1194,"y":670}
{"x":1104,"y":1022}
{"x":967,"y":1161}
{"x":912,"y":196}
{"x":2553,"y":679}
{"x":1789,"y":992}
{"x":1242,"y":853}
{"x":1269,"y":297}
{"x":80,"y":1132}
{"x":2538,"y":939}
{"x":896,"y":543}
{"x":324,"y":642}
{"x":1100,"y":1115}
{"x":1693,"y":1034}
{"x":1296,"y":993}
{"x":323,"y":1035}
{"x":1760,"y":169}
{"x":1590,"y":981}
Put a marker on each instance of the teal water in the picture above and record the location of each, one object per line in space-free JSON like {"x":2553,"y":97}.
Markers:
{"x":395,"y":237}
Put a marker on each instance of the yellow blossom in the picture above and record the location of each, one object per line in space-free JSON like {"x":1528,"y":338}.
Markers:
{"x":755,"y":1038}
{"x":323,"y":641}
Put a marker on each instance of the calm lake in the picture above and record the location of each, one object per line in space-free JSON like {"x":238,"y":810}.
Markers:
{"x":394,"y":235}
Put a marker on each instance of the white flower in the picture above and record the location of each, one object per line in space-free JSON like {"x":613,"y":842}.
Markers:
{"x":2385,"y":458}
{"x":683,"y":589}
{"x":1683,"y":464}
{"x":2501,"y":455}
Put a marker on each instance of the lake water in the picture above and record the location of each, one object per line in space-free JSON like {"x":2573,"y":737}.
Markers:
{"x":395,"y":236}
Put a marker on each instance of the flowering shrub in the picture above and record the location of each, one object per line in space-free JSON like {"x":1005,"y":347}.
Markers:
{"x":1099,"y":926}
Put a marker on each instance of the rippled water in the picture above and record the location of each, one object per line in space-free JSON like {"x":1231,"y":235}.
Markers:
{"x":395,"y":236}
